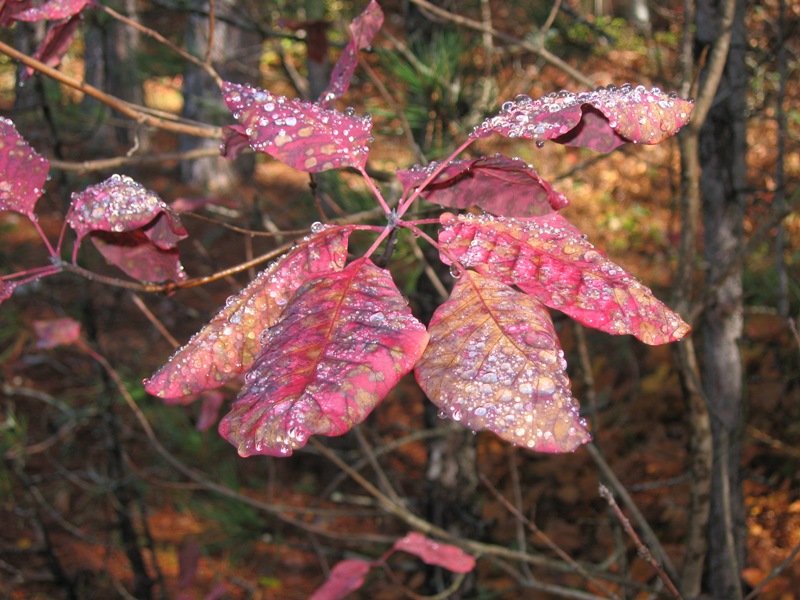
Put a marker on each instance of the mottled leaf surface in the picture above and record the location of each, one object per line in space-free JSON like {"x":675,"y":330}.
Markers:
{"x":494,"y":362}
{"x":229,"y":343}
{"x":435,"y":553}
{"x":301,"y":134}
{"x":9,"y":9}
{"x":548,"y":258}
{"x":362,"y":30}
{"x":51,"y":333}
{"x":131,"y":226}
{"x":53,"y":10}
{"x":497,"y":184}
{"x":23,"y":171}
{"x":345,"y":578}
{"x":7,"y":289}
{"x":343,"y":342}
{"x":602,"y":119}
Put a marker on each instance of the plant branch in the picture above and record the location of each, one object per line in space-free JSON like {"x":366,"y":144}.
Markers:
{"x":129,"y":110}
{"x":643,"y":550}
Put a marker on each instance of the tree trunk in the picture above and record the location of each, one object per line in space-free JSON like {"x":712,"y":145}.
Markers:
{"x":235,"y":54}
{"x":722,"y":153}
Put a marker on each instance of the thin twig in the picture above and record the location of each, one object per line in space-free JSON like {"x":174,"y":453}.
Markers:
{"x":774,"y":573}
{"x":643,"y":550}
{"x":125,"y":108}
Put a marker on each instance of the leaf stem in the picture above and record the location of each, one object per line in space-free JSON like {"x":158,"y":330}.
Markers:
{"x":404,"y":205}
{"x":375,"y":190}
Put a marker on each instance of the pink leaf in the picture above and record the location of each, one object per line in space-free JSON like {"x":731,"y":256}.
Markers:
{"x":7,"y":289}
{"x":345,"y":578}
{"x":342,"y":344}
{"x":447,"y":556}
{"x":494,"y":362}
{"x":9,"y":9}
{"x":234,"y":141}
{"x":229,"y":343}
{"x":499,"y":185}
{"x":23,"y":171}
{"x":56,"y":332}
{"x":53,"y":10}
{"x":131,"y":226}
{"x":56,"y":42}
{"x":209,"y":409}
{"x":301,"y":134}
{"x":550,"y":259}
{"x":601,"y":120}
{"x":362,"y":30}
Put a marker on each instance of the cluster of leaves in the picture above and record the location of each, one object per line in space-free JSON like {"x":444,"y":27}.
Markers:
{"x":322,"y":338}
{"x":348,"y":575}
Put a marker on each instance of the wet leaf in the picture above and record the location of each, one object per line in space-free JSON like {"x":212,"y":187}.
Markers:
{"x":9,"y":9}
{"x":131,"y":227}
{"x":7,"y":289}
{"x":234,"y":141}
{"x":52,"y":10}
{"x":550,"y":259}
{"x":56,"y":42}
{"x":431,"y":552}
{"x":602,"y":119}
{"x":345,"y":578}
{"x":56,"y":332}
{"x":362,"y":30}
{"x":494,"y":362}
{"x":23,"y":171}
{"x":342,"y":344}
{"x":299,"y":133}
{"x":229,"y":343}
{"x":497,"y":184}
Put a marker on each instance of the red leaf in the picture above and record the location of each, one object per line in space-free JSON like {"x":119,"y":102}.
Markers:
{"x":345,"y":578}
{"x":53,"y":10}
{"x":601,"y":120}
{"x":342,"y":344}
{"x":494,"y":362}
{"x":56,"y":332}
{"x":7,"y":289}
{"x":56,"y":42}
{"x":447,"y":556}
{"x":299,"y":133}
{"x":229,"y":343}
{"x":131,"y":226}
{"x":498,"y":184}
{"x":362,"y":30}
{"x":23,"y":171}
{"x":549,"y":258}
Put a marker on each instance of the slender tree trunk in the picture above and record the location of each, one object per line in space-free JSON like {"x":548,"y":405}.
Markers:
{"x":234,"y":53}
{"x":722,"y":152}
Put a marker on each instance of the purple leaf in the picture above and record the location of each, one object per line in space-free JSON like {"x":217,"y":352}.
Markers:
{"x":56,"y":43}
{"x":229,"y":343}
{"x":362,"y":30}
{"x":131,"y":226}
{"x":498,"y":184}
{"x":299,"y":133}
{"x":549,"y":258}
{"x":342,"y":344}
{"x":602,"y":120}
{"x":494,"y":362}
{"x":23,"y":171}
{"x":56,"y":332}
{"x":53,"y":10}
{"x":431,"y":552}
{"x":345,"y":578}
